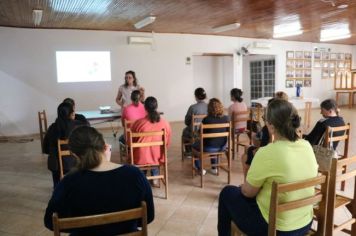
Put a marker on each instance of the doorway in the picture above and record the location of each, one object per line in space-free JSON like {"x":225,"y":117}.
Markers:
{"x":214,"y":73}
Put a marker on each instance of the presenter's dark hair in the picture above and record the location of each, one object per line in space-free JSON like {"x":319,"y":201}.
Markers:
{"x":236,"y":94}
{"x":136,"y":97}
{"x":330,"y":104}
{"x":88,"y":145}
{"x":134,"y":77}
{"x":63,"y":121}
{"x":200,"y":93}
{"x":151,"y":108}
{"x":70,"y":101}
{"x":284,"y":117}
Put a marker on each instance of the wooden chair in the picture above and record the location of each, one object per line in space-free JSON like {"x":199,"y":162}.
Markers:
{"x":336,"y":200}
{"x":330,"y":138}
{"x":124,"y":147}
{"x":42,"y":122}
{"x":307,"y":116}
{"x":276,"y":207}
{"x":135,"y":142}
{"x":243,"y":116}
{"x":196,"y":121}
{"x":201,"y":155}
{"x":102,"y":219}
{"x":63,"y":152}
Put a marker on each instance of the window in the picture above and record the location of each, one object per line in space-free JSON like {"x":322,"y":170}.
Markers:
{"x":262,"y":78}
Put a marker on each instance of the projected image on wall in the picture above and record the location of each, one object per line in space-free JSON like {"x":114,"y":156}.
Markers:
{"x":83,"y":66}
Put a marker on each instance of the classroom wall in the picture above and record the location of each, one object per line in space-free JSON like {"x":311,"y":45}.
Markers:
{"x":28,"y":80}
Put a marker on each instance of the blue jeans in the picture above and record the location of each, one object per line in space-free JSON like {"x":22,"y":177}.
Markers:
{"x":213,"y":160}
{"x":154,"y":171}
{"x":244,"y":212}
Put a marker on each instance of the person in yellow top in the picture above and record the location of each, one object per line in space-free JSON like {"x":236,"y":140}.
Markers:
{"x":287,"y":159}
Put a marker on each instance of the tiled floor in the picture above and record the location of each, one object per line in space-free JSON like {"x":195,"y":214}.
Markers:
{"x":25,"y":187}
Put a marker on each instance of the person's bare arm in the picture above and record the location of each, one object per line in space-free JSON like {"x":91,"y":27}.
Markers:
{"x":248,"y":190}
{"x":119,"y":98}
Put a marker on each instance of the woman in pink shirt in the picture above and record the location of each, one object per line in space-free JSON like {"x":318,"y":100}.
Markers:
{"x":152,"y":122}
{"x":132,"y":112}
{"x":237,"y":106}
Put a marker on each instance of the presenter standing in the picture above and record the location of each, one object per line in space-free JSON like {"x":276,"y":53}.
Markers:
{"x":123,"y":97}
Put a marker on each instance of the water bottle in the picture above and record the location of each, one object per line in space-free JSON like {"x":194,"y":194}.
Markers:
{"x":298,"y":90}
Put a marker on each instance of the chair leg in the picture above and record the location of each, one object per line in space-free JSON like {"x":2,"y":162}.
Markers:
{"x":201,"y":172}
{"x":343,"y":182}
{"x":193,"y":167}
{"x":166,"y":178}
{"x":233,"y":147}
{"x":182,"y":148}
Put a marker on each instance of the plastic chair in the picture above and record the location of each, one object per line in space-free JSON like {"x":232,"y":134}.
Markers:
{"x":103,"y":219}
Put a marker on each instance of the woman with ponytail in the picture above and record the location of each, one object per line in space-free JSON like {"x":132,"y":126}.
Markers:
{"x":60,"y":129}
{"x":98,"y":186}
{"x":287,"y":159}
{"x":152,"y":122}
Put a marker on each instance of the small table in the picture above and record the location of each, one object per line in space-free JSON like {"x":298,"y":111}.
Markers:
{"x":350,"y":93}
{"x":96,"y":115}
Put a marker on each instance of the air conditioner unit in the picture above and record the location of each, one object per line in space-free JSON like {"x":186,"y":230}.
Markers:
{"x":140,"y":40}
{"x":262,"y":45}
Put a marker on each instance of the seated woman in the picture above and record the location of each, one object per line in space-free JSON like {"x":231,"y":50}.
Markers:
{"x":78,"y":117}
{"x":132,"y":112}
{"x":215,"y":116}
{"x":60,"y":129}
{"x":330,"y":113}
{"x":152,"y":122}
{"x":199,"y":108}
{"x":261,"y":139}
{"x":98,"y":186}
{"x":281,"y":161}
{"x":238,"y":106}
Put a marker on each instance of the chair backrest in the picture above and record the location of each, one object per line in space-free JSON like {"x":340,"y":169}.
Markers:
{"x":127,"y":126}
{"x":63,"y":152}
{"x":137,"y":140}
{"x":307,"y":114}
{"x":102,"y":219}
{"x":225,"y":134}
{"x":42,"y":123}
{"x":339,"y":173}
{"x":196,"y":121}
{"x":330,"y":137}
{"x":318,"y":197}
{"x":241,"y":116}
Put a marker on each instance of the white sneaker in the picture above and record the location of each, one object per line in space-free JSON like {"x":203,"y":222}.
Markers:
{"x":214,"y":171}
{"x":204,"y":172}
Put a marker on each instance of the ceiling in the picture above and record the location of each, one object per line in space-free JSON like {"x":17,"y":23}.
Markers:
{"x":257,"y":17}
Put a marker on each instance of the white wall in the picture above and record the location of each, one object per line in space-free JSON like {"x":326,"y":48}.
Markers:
{"x":215,"y":75}
{"x":28,"y":80}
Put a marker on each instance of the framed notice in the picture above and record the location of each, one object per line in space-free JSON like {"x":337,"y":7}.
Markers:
{"x":299,"y":55}
{"x":317,"y":55}
{"x":289,"y":83}
{"x":307,"y":83}
{"x":299,"y":82}
{"x":290,"y":55}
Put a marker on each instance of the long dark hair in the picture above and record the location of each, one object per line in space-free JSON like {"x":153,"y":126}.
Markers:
{"x":151,"y":108}
{"x":133,"y":75}
{"x":88,"y":145}
{"x":236,"y":94}
{"x":284,"y":117}
{"x":63,"y":121}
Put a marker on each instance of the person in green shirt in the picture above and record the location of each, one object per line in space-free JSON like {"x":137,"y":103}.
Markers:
{"x":287,"y":159}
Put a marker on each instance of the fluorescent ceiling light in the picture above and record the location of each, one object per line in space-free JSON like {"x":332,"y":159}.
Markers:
{"x":228,"y":27}
{"x":37,"y":17}
{"x":142,"y":23}
{"x":335,"y":32}
{"x":287,"y":29}
{"x":287,"y":26}
{"x":71,"y":6}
